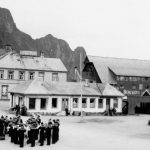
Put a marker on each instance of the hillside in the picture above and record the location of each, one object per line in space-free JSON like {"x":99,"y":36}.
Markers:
{"x":50,"y":45}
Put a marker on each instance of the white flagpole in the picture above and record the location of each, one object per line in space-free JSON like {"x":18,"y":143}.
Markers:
{"x":81,"y":83}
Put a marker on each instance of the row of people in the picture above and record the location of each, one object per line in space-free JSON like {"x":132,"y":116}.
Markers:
{"x":32,"y":130}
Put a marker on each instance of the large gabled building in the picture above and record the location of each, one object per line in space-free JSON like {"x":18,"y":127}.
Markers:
{"x":17,"y":68}
{"x":130,"y":76}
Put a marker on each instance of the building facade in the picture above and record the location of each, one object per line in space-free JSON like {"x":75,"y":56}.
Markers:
{"x":130,"y":76}
{"x":17,"y":68}
{"x":55,"y":97}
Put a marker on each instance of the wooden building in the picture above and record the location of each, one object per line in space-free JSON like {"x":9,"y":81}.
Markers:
{"x":17,"y":68}
{"x":54,"y":97}
{"x":130,"y":76}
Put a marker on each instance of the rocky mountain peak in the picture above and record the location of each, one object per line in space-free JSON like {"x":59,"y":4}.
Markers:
{"x":49,"y":45}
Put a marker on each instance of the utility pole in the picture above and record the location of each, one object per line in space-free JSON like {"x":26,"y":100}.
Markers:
{"x":81,"y":84}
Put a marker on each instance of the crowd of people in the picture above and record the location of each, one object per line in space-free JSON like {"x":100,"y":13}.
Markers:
{"x":32,"y":131}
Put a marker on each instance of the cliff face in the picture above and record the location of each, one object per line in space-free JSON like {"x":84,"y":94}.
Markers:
{"x":51,"y":46}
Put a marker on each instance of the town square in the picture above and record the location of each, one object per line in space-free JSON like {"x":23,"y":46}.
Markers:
{"x":93,"y":132}
{"x":74,"y":75}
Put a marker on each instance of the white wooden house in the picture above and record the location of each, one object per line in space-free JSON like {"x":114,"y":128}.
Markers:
{"x":53,"y":97}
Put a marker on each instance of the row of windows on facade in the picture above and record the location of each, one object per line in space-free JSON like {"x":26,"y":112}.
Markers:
{"x":136,"y":87}
{"x":21,"y":75}
{"x":135,"y":79}
{"x":75,"y":104}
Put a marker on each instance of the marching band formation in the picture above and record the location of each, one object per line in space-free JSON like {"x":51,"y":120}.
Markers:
{"x":31,"y":131}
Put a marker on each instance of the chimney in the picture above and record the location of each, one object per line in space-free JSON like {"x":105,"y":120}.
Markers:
{"x":42,"y":54}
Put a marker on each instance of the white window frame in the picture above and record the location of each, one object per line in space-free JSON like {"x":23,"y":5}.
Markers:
{"x":10,"y":76}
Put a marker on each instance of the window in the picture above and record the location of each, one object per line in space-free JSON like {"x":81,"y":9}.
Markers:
{"x":41,"y":75}
{"x":134,"y":78}
{"x":84,"y":102}
{"x":130,"y":79}
{"x":118,"y":78}
{"x":31,"y":75}
{"x":11,"y":75}
{"x":126,"y":78}
{"x":32,"y":103}
{"x":122,"y":78}
{"x":1,"y":74}
{"x":55,"y":77}
{"x":54,"y":102}
{"x":121,"y":87}
{"x":75,"y":102}
{"x":115,"y":103}
{"x":134,"y":87}
{"x":43,"y":103}
{"x":100,"y":103}
{"x":140,"y":86}
{"x":21,"y":75}
{"x":92,"y":103}
{"x":4,"y":91}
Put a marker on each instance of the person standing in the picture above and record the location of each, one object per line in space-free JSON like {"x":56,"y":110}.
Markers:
{"x":32,"y":134}
{"x":42,"y":134}
{"x":49,"y":133}
{"x":2,"y":128}
{"x":21,"y":135}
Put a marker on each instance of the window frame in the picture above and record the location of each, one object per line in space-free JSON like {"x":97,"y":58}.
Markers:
{"x":101,"y":103}
{"x":55,"y":76}
{"x":94,"y":103}
{"x":10,"y":76}
{"x":56,"y":102}
{"x":1,"y":74}
{"x":85,"y":103}
{"x":73,"y":104}
{"x":23,"y":75}
{"x":34,"y":103}
{"x":31,"y":76}
{"x":41,"y":73}
{"x":43,"y":108}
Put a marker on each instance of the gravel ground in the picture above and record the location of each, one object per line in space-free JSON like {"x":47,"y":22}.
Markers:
{"x":94,"y":133}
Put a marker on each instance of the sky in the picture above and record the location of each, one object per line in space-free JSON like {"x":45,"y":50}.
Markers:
{"x":109,"y":28}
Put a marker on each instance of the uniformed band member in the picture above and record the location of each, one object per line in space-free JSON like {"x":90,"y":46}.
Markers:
{"x":32,"y":130}
{"x":48,"y":133}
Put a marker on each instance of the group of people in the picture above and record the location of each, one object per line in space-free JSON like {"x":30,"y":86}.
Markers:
{"x":30,"y":131}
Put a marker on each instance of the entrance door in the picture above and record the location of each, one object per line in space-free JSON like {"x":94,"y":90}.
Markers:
{"x":107,"y":104}
{"x":64,"y":103}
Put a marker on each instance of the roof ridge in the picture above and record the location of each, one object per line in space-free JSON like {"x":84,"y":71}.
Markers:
{"x":119,"y":58}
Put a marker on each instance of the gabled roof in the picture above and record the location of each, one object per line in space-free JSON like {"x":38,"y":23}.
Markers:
{"x":15,"y":61}
{"x":38,"y":87}
{"x":119,"y":66}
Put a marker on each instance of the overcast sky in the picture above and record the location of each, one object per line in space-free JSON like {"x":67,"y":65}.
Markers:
{"x":113,"y":28}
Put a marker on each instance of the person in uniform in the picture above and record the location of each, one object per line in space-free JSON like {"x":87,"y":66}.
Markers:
{"x":21,"y":133}
{"x":48,"y":133}
{"x":2,"y":128}
{"x":42,"y":134}
{"x":32,"y":134}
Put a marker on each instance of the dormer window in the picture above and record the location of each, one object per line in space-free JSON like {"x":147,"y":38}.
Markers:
{"x":10,"y":75}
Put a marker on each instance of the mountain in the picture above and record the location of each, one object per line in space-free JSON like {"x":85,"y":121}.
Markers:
{"x":50,"y":45}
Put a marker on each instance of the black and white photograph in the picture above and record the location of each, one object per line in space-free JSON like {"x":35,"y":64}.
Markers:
{"x":75,"y":74}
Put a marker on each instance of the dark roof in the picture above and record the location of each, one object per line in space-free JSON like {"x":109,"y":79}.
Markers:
{"x":119,"y":66}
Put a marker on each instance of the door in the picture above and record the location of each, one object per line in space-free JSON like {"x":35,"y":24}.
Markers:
{"x":107,"y":104}
{"x":64,"y":103}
